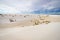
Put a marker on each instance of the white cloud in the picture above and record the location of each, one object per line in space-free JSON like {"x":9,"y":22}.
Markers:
{"x":7,"y":9}
{"x":49,"y":5}
{"x":52,"y":5}
{"x":20,"y":6}
{"x":15,"y":6}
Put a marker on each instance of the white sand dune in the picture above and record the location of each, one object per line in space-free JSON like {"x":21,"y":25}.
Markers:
{"x":13,"y":20}
{"x":49,"y":31}
{"x":29,"y":27}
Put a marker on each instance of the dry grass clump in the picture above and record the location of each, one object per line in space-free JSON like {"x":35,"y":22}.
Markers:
{"x":35,"y":21}
{"x":46,"y":22}
{"x":41,"y":20}
{"x":26,"y":16}
{"x":12,"y":20}
{"x":45,"y":19}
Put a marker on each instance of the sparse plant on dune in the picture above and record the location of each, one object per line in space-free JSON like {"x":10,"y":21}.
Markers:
{"x":35,"y":21}
{"x":1,"y":15}
{"x":11,"y":20}
{"x":24,"y":16}
{"x":42,"y":19}
{"x":46,"y":22}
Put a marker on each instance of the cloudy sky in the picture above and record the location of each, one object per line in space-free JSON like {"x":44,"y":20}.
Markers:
{"x":29,"y":6}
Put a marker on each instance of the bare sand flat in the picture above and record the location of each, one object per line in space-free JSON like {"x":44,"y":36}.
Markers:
{"x":29,"y":27}
{"x":49,"y":31}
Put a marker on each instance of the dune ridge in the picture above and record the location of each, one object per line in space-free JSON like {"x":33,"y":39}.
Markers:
{"x":13,"y":20}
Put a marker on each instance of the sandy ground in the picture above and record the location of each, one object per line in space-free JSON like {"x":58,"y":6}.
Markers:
{"x":29,"y":27}
{"x":49,"y":31}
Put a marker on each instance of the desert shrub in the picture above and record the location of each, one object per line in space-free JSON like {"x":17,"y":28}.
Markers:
{"x":11,"y":20}
{"x":46,"y":21}
{"x":24,"y":16}
{"x":37,"y":22}
{"x":1,"y":15}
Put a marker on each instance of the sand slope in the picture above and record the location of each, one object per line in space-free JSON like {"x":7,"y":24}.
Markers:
{"x":49,"y":31}
{"x":29,"y":27}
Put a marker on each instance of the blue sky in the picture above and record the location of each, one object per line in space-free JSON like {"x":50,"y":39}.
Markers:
{"x":29,"y":6}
